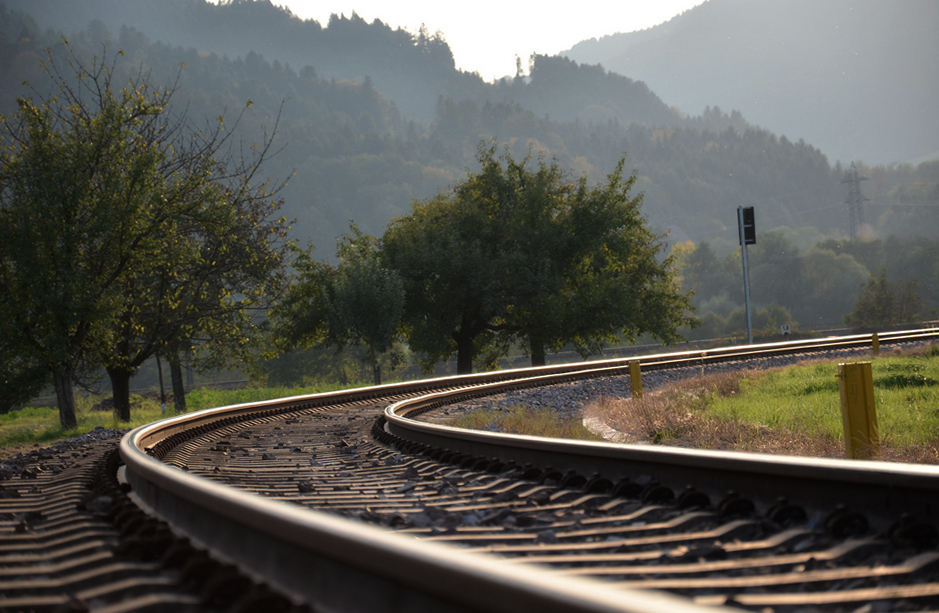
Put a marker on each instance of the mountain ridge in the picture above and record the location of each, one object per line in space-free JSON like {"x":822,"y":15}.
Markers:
{"x":854,"y":77}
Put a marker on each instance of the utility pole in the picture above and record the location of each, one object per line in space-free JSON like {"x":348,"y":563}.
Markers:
{"x":854,"y":200}
{"x":746,"y":225}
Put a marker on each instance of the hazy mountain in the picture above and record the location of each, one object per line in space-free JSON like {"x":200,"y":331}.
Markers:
{"x":411,"y":69}
{"x":856,"y":78}
{"x":353,"y":148}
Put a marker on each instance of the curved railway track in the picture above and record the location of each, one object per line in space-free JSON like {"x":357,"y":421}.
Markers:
{"x":474,"y":521}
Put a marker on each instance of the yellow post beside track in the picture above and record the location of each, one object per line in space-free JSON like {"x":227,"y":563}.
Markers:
{"x":635,"y":379}
{"x":861,"y":440}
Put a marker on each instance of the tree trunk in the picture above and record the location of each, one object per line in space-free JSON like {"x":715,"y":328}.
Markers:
{"x":536,"y":348}
{"x":120,"y":392}
{"x":179,"y":389}
{"x":376,"y":372}
{"x":162,"y":389}
{"x":62,"y":379}
{"x":464,"y":354}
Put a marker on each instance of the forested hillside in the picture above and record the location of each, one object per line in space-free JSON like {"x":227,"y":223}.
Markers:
{"x":855,"y":78}
{"x":371,"y":119}
{"x":412,"y":70}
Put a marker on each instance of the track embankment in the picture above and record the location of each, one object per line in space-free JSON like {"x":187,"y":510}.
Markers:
{"x":344,"y":502}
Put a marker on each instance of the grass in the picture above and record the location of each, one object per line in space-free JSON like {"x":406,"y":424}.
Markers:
{"x":523,"y":420}
{"x":39,"y":426}
{"x":36,"y":426}
{"x":207,"y":398}
{"x":794,"y":410}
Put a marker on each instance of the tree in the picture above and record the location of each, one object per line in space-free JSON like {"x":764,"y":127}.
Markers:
{"x":881,"y":303}
{"x":358,"y":302}
{"x":449,"y":252}
{"x":220,"y":264}
{"x":368,"y":299}
{"x":77,"y":187}
{"x":776,"y":270}
{"x":585,"y":269}
{"x":105,"y":199}
{"x":22,"y":376}
{"x":830,"y":282}
{"x":515,"y":252}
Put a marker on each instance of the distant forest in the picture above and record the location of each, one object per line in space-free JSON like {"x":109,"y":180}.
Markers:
{"x":853,"y":77}
{"x":371,"y":119}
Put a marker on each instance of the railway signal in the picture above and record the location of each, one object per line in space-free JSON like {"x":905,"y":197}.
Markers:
{"x":746,"y":226}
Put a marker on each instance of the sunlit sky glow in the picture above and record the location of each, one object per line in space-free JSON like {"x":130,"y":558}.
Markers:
{"x":486,"y":35}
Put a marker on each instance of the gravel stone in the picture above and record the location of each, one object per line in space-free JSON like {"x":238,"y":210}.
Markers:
{"x":568,"y":399}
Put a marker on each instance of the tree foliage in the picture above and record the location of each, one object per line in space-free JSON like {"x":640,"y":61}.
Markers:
{"x":123,"y":230}
{"x":75,"y":211}
{"x":521,"y":251}
{"x":882,"y":304}
{"x":358,"y":302}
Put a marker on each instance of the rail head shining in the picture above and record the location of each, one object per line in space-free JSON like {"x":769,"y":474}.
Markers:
{"x":338,"y":564}
{"x":343,"y":565}
{"x":880,"y":490}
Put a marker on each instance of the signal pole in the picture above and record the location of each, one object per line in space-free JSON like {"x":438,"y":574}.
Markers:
{"x":854,"y":200}
{"x":746,"y":225}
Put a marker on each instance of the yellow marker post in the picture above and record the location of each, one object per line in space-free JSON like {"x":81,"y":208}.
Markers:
{"x":861,"y":440}
{"x":635,"y":379}
{"x":875,"y":343}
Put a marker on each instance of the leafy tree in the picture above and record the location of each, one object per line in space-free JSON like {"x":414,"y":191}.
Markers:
{"x":220,"y":264}
{"x":584,"y":269}
{"x":766,"y":320}
{"x":77,"y":175}
{"x":359,"y":302}
{"x":521,"y":252}
{"x":368,"y":299}
{"x":121,"y":231}
{"x":446,"y":254}
{"x":881,"y":303}
{"x":829,"y":283}
{"x":775,"y":270}
{"x":22,"y":376}
{"x":712,"y":279}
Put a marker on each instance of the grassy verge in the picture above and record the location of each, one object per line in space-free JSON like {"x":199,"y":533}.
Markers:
{"x":794,"y":410}
{"x":39,"y":426}
{"x":522,"y":420}
{"x":207,"y":398}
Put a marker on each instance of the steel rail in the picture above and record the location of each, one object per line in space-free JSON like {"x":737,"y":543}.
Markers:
{"x":336,"y":564}
{"x":340,"y":565}
{"x":884,"y":490}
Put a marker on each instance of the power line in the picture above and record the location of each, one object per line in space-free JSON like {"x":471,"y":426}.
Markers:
{"x":854,"y":200}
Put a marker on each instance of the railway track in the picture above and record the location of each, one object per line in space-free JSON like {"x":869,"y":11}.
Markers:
{"x":473,"y":521}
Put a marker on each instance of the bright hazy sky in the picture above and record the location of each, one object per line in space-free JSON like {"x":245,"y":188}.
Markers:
{"x":486,"y":35}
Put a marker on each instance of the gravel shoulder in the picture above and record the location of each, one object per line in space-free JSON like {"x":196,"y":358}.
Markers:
{"x":569,"y":399}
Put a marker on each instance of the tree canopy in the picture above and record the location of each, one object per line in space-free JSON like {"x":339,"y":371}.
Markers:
{"x":358,"y":302}
{"x":124,"y":229}
{"x":881,"y":304}
{"x":521,"y":251}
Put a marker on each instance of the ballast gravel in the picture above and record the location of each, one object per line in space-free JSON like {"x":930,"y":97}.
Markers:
{"x":568,"y":399}
{"x":56,"y":457}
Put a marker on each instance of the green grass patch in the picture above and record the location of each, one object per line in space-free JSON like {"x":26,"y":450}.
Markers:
{"x":806,"y":400}
{"x":40,"y":425}
{"x":789,"y":411}
{"x":521,"y":420}
{"x":206,"y":398}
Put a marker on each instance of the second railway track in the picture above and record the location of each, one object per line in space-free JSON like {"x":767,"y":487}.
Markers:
{"x":469,"y":521}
